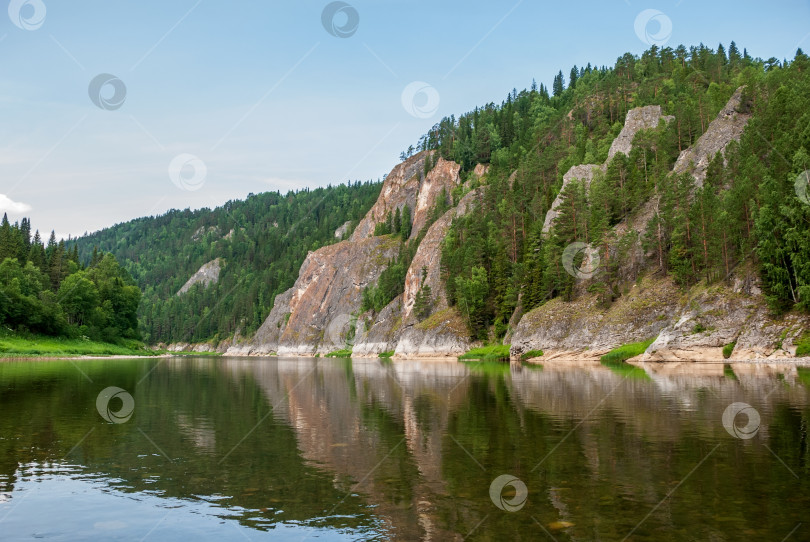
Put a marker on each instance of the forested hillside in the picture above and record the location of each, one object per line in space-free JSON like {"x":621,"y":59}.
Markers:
{"x":746,"y":210}
{"x":45,"y":289}
{"x":638,"y":214}
{"x":261,"y":241}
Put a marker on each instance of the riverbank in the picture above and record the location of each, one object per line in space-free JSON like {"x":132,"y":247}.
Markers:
{"x":43,"y":347}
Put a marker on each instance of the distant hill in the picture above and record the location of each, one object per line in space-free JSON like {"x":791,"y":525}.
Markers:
{"x":261,"y":242}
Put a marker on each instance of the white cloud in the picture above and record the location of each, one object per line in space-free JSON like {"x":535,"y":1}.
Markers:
{"x":7,"y":204}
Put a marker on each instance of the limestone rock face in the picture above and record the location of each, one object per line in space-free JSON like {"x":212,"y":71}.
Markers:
{"x":583,"y":172}
{"x":720,"y":316}
{"x":383,"y":334}
{"x":400,"y":187}
{"x":583,"y":325}
{"x":442,"y":178}
{"x":443,"y":334}
{"x":639,"y":118}
{"x":206,"y":275}
{"x":315,"y":314}
{"x":693,"y":328}
{"x":318,"y":312}
{"x":396,"y":328}
{"x":480,"y":170}
{"x":725,"y":128}
{"x":342,"y":230}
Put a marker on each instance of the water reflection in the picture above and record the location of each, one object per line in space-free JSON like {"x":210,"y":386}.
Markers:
{"x":373,"y":450}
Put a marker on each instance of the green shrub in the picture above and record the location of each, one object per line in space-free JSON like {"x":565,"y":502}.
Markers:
{"x":803,"y":346}
{"x":492,"y":352}
{"x":343,"y":353}
{"x":728,"y":349}
{"x":531,"y":354}
{"x":627,"y":351}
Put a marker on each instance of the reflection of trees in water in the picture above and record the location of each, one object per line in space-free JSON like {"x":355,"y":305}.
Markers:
{"x":420,"y":442}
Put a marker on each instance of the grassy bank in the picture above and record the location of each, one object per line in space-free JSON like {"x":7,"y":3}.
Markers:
{"x":492,"y":352}
{"x":627,"y":351}
{"x":12,"y":346}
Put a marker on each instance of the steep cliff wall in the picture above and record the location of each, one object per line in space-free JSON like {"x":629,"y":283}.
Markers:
{"x":314,"y":315}
{"x":396,"y":328}
{"x":687,"y":326}
{"x":321,"y":312}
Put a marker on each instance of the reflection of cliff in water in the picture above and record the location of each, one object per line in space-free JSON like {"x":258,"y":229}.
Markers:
{"x":407,"y":450}
{"x":389,"y":430}
{"x":378,"y":426}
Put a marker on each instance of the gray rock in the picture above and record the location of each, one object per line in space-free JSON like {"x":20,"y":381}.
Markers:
{"x":207,"y":274}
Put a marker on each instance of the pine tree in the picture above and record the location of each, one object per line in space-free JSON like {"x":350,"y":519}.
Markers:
{"x":406,"y":222}
{"x":558,"y":85}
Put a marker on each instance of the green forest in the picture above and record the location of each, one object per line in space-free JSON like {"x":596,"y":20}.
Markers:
{"x":45,"y":289}
{"x":262,"y":242}
{"x":747,"y":211}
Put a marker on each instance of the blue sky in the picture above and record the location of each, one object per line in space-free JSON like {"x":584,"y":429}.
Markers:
{"x":267,"y":99}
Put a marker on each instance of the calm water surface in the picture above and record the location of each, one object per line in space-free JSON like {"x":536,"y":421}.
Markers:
{"x":317,"y":449}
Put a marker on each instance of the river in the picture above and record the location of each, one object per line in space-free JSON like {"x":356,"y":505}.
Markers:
{"x":336,"y":449}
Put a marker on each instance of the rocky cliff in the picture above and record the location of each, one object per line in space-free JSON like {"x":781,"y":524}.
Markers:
{"x":686,"y":326}
{"x":321,"y":313}
{"x":640,"y":118}
{"x":205,"y":275}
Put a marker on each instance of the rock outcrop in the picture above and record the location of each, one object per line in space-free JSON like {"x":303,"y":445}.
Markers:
{"x":321,"y":312}
{"x":695,"y":327}
{"x":343,"y":230}
{"x":396,"y":328}
{"x":584,"y":326}
{"x":639,"y":118}
{"x":713,"y":318}
{"x":725,"y":128}
{"x":584,"y":173}
{"x":206,"y":275}
{"x":314,"y":316}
